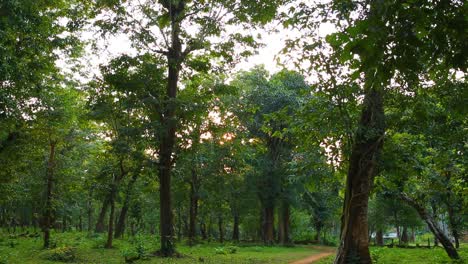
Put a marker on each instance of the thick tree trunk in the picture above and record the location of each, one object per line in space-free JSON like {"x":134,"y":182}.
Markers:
{"x":431,"y":223}
{"x":120,"y":227}
{"x":49,"y":196}
{"x":235,"y":228}
{"x":285,"y":224}
{"x":318,"y":230}
{"x":404,"y":235}
{"x":354,"y":245}
{"x":203,"y":230}
{"x":379,"y":238}
{"x":193,"y":206}
{"x":110,"y":227}
{"x":280,"y":228}
{"x":100,"y":226}
{"x":168,"y":121}
{"x":268,"y":225}
{"x":221,"y":229}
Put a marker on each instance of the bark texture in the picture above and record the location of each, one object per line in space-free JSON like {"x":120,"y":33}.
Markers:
{"x":47,"y":219}
{"x":100,"y":226}
{"x":354,"y":246}
{"x":120,"y":227}
{"x":168,"y":120}
{"x":194,"y":186}
{"x":268,"y":225}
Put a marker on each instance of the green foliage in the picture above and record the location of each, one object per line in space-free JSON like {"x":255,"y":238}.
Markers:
{"x":60,"y":254}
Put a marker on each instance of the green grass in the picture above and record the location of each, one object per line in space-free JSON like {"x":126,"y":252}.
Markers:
{"x":384,"y":255}
{"x":89,"y":250}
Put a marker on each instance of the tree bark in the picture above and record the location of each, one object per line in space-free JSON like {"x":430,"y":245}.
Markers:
{"x":168,"y":121}
{"x":379,"y":238}
{"x":120,"y":227}
{"x":404,"y":235}
{"x":235,"y":228}
{"x":283,"y":229}
{"x":49,"y":195}
{"x":102,"y":215}
{"x":354,"y":245}
{"x":268,"y":225}
{"x":203,"y":230}
{"x":431,"y":223}
{"x":110,"y":228}
{"x":193,"y":206}
{"x":90,"y":210}
{"x":221,"y":229}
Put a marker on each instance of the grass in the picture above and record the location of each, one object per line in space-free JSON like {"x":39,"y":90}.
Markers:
{"x":384,"y":255}
{"x":82,"y":249}
{"x":79,"y":248}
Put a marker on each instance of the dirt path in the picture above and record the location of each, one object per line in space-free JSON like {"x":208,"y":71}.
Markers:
{"x":327,"y":251}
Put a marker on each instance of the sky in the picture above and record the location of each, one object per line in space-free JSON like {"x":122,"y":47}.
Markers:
{"x":273,"y":40}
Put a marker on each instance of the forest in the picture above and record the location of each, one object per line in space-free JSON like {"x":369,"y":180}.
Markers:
{"x":233,"y":131}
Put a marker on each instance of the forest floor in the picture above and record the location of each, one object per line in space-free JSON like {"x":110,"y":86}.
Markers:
{"x":77,"y":247}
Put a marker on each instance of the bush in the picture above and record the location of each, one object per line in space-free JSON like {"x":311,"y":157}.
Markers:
{"x":136,"y":251}
{"x":220,"y":251}
{"x":232,"y":249}
{"x":98,"y":242}
{"x":61,"y":254}
{"x":4,"y":259}
{"x":375,"y":254}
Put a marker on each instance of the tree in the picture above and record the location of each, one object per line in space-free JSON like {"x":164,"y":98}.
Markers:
{"x":175,"y":40}
{"x":267,"y":106}
{"x":387,"y":47}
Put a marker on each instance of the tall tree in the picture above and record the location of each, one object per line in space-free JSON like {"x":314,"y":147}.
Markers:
{"x":180,"y":28}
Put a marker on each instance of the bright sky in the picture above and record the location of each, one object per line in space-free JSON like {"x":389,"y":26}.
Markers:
{"x":117,"y":45}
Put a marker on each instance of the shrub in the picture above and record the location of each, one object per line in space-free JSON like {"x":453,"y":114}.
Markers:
{"x":220,"y":251}
{"x":232,"y":249}
{"x":98,"y":242}
{"x":136,"y":251}
{"x":61,"y":254}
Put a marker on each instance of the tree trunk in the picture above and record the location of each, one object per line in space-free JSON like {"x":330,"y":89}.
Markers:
{"x":110,"y":228}
{"x":268,"y":225}
{"x":235,"y":228}
{"x":80,"y":222}
{"x":168,"y":121}
{"x":438,"y":233}
{"x":90,"y":210}
{"x":120,"y":227}
{"x":221,"y":229}
{"x":286,"y":223}
{"x":453,"y":209}
{"x":64,"y":223}
{"x":102,"y":215}
{"x":404,"y":235}
{"x":280,"y":227}
{"x":49,"y":196}
{"x":203,"y":230}
{"x":354,"y":245}
{"x":193,"y":206}
{"x":379,"y":238}
{"x":318,"y":229}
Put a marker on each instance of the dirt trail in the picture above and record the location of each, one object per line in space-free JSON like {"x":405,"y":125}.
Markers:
{"x":326,"y":251}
